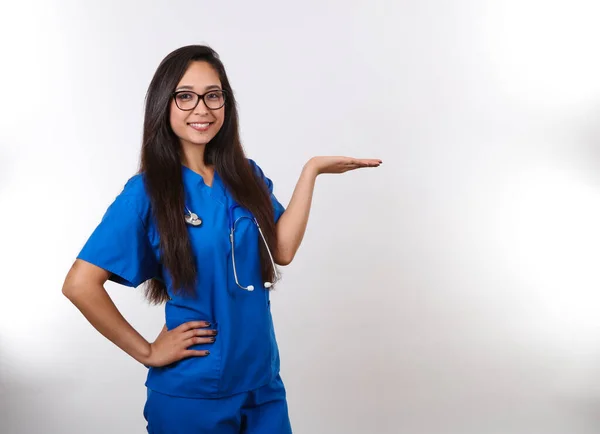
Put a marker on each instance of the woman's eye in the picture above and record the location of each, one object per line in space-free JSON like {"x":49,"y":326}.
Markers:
{"x":184,"y":96}
{"x":214,"y":95}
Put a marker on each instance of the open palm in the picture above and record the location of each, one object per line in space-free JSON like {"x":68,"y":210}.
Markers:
{"x":325,"y":164}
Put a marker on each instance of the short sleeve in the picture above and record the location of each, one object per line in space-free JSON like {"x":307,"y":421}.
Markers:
{"x":120,"y":245}
{"x":278,"y":208}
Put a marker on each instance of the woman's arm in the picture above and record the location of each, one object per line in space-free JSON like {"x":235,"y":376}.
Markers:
{"x":84,"y":287}
{"x":291,"y":226}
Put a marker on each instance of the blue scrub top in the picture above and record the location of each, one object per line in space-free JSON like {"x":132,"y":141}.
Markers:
{"x":245,"y":354}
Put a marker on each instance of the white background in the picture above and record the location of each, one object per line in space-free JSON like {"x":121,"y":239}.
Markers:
{"x":454,"y":290}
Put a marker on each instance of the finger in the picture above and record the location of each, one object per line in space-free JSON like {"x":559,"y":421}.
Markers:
{"x":198,"y":332}
{"x":195,"y":353}
{"x":197,"y":341}
{"x":364,"y":162}
{"x":368,"y":163}
{"x":354,"y":164}
{"x":192,"y":325}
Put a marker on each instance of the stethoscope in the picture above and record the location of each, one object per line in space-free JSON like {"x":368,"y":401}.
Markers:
{"x":193,"y":220}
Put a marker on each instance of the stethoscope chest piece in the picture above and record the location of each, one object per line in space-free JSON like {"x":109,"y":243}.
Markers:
{"x":193,"y":219}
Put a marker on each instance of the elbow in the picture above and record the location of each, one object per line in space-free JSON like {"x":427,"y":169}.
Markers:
{"x":81,"y":279}
{"x":70,"y":286}
{"x":284,"y":258}
{"x":285,"y":252}
{"x":78,"y":292}
{"x":74,"y":286}
{"x":70,"y":289}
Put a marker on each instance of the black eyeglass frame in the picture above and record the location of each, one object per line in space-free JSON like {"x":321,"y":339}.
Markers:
{"x":200,"y":98}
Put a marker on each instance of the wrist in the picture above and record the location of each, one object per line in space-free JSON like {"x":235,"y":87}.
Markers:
{"x":145,"y":356}
{"x":311,"y":168}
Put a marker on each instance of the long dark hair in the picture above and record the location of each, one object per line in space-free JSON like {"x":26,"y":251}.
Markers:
{"x":161,"y":160}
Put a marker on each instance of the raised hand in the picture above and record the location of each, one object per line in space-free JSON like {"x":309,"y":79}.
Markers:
{"x":325,"y":164}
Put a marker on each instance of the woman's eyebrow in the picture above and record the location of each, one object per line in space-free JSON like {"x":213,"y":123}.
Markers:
{"x":209,"y":87}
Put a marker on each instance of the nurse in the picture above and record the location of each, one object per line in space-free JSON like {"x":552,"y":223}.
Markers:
{"x":200,"y":227}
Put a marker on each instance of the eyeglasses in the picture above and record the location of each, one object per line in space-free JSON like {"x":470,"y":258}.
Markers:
{"x":188,"y":100}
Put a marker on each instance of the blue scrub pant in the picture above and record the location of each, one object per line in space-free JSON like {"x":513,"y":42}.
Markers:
{"x":259,"y":411}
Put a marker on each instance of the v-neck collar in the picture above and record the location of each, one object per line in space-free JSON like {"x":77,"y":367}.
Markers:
{"x":193,"y":180}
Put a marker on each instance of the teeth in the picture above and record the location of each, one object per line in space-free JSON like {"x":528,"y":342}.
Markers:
{"x":200,"y":125}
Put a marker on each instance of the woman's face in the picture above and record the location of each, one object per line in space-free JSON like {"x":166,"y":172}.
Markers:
{"x":200,"y":125}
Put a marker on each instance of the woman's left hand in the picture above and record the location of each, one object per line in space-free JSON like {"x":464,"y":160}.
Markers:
{"x":324,"y":164}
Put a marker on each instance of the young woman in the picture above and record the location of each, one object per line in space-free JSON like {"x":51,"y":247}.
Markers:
{"x":200,"y":225}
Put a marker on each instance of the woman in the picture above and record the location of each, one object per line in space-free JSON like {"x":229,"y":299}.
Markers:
{"x":200,"y":225}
